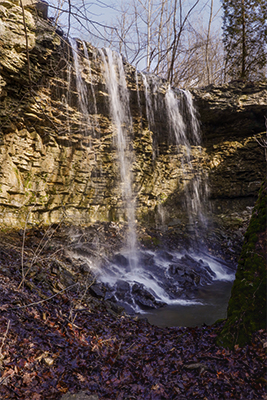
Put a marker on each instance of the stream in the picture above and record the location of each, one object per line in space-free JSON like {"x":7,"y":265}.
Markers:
{"x":211,"y":306}
{"x":169,"y":288}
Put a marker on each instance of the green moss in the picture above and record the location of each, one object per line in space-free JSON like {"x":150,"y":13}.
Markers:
{"x":156,"y":241}
{"x":16,"y":171}
{"x":247,"y":306}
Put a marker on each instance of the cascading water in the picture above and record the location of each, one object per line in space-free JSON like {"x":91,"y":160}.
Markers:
{"x":138,"y":279}
{"x":149,"y":108}
{"x":185,"y":127}
{"x":153,"y":282}
{"x":121,"y":116}
{"x":92,"y":87}
{"x":81,"y":89}
{"x":66,"y":99}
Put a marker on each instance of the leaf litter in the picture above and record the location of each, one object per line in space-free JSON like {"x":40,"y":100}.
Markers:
{"x":45,"y":352}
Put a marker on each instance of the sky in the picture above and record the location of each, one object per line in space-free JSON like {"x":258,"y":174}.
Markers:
{"x":105,"y":12}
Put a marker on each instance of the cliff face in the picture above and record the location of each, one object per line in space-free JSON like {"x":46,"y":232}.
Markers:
{"x":232,"y":116}
{"x":54,"y":165}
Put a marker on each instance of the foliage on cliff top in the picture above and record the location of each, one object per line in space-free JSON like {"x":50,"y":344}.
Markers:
{"x":247,"y":306}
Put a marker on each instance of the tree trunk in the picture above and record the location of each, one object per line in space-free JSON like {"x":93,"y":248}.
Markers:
{"x":208,"y":42}
{"x":244,"y":49}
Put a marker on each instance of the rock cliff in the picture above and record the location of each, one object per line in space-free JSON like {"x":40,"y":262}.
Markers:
{"x":55,"y":166}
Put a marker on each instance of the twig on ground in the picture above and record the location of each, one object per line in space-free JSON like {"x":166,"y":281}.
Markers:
{"x":22,"y":249}
{"x":4,"y":337}
{"x":73,"y":317}
{"x":48,"y":298}
{"x":39,"y":249}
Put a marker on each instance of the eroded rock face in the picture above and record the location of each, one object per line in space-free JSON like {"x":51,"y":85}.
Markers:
{"x":54,"y":166}
{"x":231,"y":116}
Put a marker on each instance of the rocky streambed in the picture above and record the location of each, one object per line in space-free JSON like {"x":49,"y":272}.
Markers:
{"x":166,"y":277}
{"x":164,"y":274}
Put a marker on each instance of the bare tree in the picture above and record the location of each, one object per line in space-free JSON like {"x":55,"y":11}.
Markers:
{"x":159,"y":36}
{"x":208,"y":42}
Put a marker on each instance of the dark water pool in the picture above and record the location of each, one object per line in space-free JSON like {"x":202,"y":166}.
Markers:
{"x":213,"y":302}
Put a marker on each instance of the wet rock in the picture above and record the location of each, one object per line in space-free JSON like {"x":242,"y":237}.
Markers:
{"x":148,"y":260}
{"x":97,"y":291}
{"x":120,"y":259}
{"x":191,"y":272}
{"x":144,"y":298}
{"x":164,"y":255}
{"x":176,"y":269}
{"x":109,"y":295}
{"x":119,"y":307}
{"x":123,"y":291}
{"x":122,"y":286}
{"x":124,"y":307}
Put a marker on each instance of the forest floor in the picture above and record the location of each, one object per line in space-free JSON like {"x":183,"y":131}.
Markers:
{"x":56,"y":338}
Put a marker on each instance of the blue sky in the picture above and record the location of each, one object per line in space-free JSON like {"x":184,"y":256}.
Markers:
{"x":104,"y":12}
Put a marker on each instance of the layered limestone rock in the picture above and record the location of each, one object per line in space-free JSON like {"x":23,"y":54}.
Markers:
{"x":59,"y":164}
{"x":232,"y":118}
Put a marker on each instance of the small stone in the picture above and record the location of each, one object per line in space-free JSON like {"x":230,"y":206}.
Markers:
{"x":79,"y":396}
{"x":49,"y":361}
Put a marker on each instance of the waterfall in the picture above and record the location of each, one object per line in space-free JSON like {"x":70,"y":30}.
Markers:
{"x":175,"y":120}
{"x":183,"y":123}
{"x":96,"y":125}
{"x":66,"y":99}
{"x":81,"y":89}
{"x":137,"y":278}
{"x":149,"y":108}
{"x":138,"y":99}
{"x":121,"y":116}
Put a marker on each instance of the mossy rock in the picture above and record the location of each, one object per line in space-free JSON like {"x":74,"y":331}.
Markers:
{"x":247,"y":306}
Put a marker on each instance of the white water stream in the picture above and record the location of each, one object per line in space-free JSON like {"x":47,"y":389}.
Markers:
{"x":81,"y":89}
{"x":121,"y":115}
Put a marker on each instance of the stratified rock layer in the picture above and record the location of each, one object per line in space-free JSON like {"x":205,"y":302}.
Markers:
{"x":54,"y":166}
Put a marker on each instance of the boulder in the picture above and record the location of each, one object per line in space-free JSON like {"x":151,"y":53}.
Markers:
{"x":188,"y":271}
{"x":144,"y":298}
